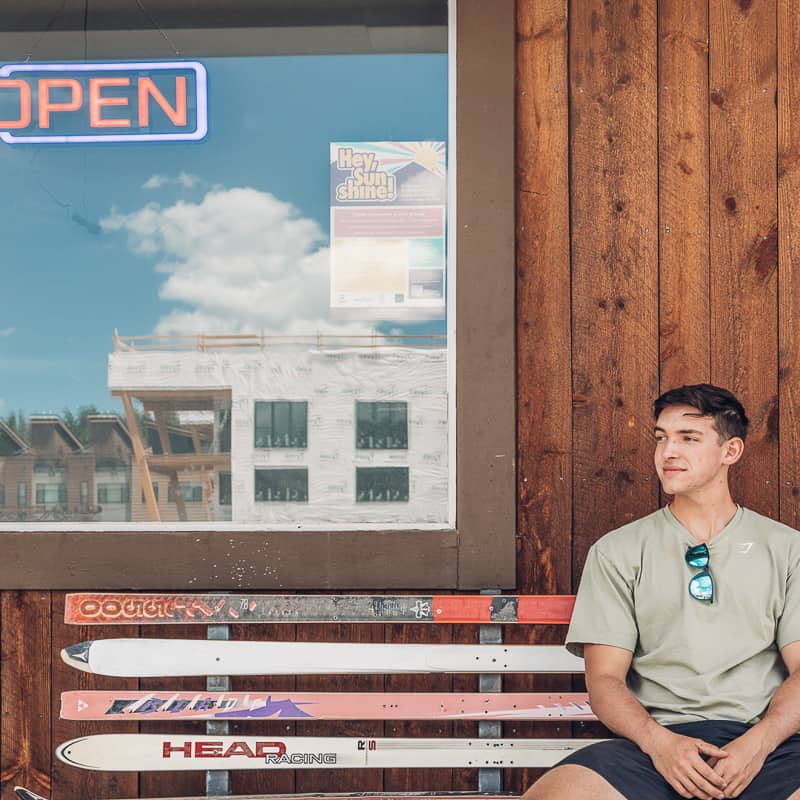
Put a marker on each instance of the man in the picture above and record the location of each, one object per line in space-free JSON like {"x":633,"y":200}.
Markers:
{"x":689,"y":622}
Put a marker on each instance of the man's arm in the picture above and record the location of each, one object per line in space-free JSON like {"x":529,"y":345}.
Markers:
{"x":677,"y":758}
{"x":747,"y":754}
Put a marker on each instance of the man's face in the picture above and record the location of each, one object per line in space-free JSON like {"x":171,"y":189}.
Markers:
{"x":689,"y":456}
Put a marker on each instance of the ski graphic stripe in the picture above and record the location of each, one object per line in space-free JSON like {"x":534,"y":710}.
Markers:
{"x":120,"y":752}
{"x":104,"y":608}
{"x":149,"y":706}
{"x":147,"y":658}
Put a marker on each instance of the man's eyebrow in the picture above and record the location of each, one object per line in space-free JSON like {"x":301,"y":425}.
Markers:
{"x":682,"y":430}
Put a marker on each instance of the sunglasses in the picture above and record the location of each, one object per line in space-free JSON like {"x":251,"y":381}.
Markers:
{"x":701,"y":586}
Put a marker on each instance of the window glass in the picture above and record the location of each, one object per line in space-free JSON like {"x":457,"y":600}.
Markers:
{"x":382,"y":484}
{"x":22,"y":494}
{"x":2,"y":494}
{"x":282,"y":485}
{"x":281,"y":423}
{"x":242,"y":214}
{"x":381,"y":426}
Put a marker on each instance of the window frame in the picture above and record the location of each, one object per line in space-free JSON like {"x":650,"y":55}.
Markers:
{"x":479,"y":552}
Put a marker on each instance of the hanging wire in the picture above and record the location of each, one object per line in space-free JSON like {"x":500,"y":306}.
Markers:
{"x":150,"y":19}
{"x":45,"y":30}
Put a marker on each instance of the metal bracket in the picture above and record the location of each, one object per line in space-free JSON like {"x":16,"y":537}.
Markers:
{"x":490,"y":779}
{"x":218,"y":781}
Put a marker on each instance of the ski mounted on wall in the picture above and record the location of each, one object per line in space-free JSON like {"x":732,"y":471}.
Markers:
{"x":149,"y":706}
{"x":159,"y":609}
{"x":147,"y":658}
{"x":121,"y":752}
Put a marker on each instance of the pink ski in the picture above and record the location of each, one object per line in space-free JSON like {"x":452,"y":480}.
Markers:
{"x":165,"y":705}
{"x":159,"y":609}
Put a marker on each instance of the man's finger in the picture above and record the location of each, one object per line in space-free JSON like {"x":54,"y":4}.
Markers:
{"x":710,"y":749}
{"x":714,"y":778}
{"x":678,"y":786}
{"x":701,"y":784}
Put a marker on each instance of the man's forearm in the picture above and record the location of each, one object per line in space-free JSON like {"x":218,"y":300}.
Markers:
{"x":782,"y":719}
{"x":618,"y":709}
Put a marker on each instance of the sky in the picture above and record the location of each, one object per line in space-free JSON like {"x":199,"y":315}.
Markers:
{"x":225,"y":235}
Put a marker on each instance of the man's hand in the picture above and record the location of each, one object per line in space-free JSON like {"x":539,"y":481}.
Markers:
{"x":678,"y":759}
{"x":746,"y":757}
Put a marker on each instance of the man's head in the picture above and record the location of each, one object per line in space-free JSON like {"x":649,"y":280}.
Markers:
{"x":700,"y":432}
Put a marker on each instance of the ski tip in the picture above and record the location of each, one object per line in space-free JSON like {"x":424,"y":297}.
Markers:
{"x":26,"y":794}
{"x":77,"y":655}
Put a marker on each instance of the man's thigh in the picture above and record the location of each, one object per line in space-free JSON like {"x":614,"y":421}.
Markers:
{"x":572,"y":782}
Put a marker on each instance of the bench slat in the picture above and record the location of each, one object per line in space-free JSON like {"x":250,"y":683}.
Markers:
{"x":104,"y":608}
{"x":145,"y":752}
{"x":166,"y":705}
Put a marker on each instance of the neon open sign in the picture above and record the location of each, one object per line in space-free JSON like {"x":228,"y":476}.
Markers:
{"x":121,"y":102}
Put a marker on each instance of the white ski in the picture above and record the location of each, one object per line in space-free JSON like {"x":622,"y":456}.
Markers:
{"x":173,"y":657}
{"x":120,"y":752}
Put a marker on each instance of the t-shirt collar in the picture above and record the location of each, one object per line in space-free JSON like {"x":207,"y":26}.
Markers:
{"x":690,"y":540}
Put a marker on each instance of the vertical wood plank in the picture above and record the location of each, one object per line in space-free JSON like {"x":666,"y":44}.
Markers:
{"x":544,"y":392}
{"x":171,"y":784}
{"x":685,"y":320}
{"x":245,"y":782}
{"x":789,"y":256}
{"x":339,"y":780}
{"x":68,"y":781}
{"x":614,"y":190}
{"x":25,"y":732}
{"x":744,"y":232}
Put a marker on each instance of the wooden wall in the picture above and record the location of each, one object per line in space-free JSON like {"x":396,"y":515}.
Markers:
{"x":658,"y":155}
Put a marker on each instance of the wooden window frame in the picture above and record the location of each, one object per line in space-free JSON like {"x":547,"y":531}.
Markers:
{"x":480,"y":551}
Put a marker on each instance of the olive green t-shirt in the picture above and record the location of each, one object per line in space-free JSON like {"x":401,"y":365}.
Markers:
{"x":694,"y":660}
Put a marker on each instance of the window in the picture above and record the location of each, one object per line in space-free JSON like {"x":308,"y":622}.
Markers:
{"x":382,"y":484}
{"x":51,"y":494}
{"x":22,"y":494}
{"x":381,"y":426}
{"x":2,"y":494}
{"x":84,"y":494}
{"x":282,"y":485}
{"x":114,"y":493}
{"x":281,"y":423}
{"x":224,"y":488}
{"x":190,"y":492}
{"x":475,"y":527}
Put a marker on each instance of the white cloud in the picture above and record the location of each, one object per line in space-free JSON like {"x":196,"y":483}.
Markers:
{"x":185,"y":179}
{"x":4,"y":332}
{"x":240,"y":260}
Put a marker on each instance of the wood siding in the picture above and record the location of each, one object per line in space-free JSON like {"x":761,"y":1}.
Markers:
{"x":658,"y":176}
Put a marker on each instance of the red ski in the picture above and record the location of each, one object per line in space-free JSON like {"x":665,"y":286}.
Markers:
{"x":155,"y":609}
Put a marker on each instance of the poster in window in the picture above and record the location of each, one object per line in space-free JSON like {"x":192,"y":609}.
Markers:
{"x":388,"y":247}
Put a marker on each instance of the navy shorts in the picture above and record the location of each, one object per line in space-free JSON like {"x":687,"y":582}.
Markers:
{"x":633,"y":775}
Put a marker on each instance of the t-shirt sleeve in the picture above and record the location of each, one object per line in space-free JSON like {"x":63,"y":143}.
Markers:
{"x":603,"y":611}
{"x":788,"y":630}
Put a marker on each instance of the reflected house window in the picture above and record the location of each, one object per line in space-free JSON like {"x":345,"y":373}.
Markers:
{"x":225,"y":488}
{"x":51,"y":494}
{"x":108,"y":493}
{"x":155,"y":492}
{"x":84,"y":494}
{"x":2,"y":494}
{"x":381,"y":426}
{"x":22,"y":494}
{"x":190,"y":493}
{"x":281,"y":423}
{"x":276,"y":485}
{"x":382,"y":484}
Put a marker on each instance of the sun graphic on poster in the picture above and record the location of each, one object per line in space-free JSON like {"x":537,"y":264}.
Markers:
{"x":394,"y":156}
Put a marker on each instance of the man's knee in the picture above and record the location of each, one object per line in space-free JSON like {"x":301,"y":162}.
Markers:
{"x":572,"y":782}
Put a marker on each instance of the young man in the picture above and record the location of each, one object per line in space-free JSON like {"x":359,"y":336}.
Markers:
{"x":689,"y":622}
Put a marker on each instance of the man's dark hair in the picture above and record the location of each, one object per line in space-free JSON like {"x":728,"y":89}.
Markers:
{"x":712,"y":401}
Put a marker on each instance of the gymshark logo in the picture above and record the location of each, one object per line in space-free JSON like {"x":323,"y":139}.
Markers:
{"x":743,"y":548}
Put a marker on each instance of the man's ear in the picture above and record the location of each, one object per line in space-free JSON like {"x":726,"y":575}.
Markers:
{"x":732,"y":450}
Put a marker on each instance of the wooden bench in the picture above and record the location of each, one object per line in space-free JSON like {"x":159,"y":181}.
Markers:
{"x":217,"y":658}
